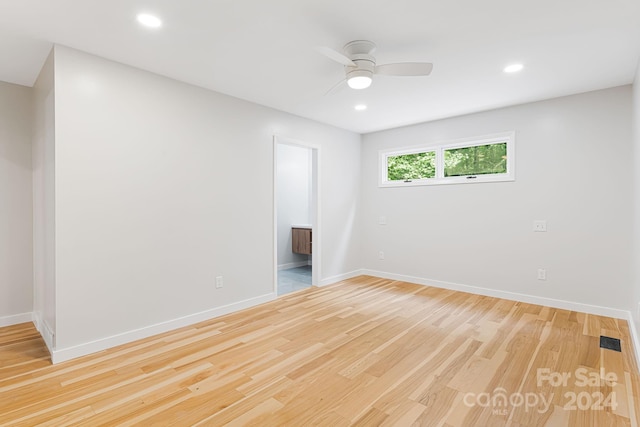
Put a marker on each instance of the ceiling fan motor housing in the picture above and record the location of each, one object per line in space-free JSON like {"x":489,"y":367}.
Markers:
{"x":358,"y":47}
{"x":364,"y":67}
{"x":360,"y":52}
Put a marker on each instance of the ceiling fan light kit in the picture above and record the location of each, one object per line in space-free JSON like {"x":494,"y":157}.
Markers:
{"x":359,"y":79}
{"x":360,"y":64}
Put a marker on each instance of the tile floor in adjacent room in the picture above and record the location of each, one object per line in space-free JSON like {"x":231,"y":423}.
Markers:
{"x":294,"y":279}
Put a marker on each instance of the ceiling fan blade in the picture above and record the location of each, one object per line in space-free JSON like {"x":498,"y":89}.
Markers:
{"x":336,"y":56}
{"x":335,"y":87}
{"x":405,"y":69}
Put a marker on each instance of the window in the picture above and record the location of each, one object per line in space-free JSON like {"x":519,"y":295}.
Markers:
{"x":411,"y":166}
{"x":481,"y":159}
{"x":476,"y":160}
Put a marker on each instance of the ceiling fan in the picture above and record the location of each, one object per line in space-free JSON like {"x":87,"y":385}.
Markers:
{"x":360,"y":64}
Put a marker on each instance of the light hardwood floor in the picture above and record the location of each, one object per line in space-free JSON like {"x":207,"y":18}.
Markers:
{"x":363,"y":352}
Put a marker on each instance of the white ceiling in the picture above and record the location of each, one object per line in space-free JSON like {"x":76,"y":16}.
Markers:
{"x":263,"y":50}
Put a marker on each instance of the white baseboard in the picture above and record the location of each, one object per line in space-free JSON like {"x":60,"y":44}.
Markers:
{"x":63,"y":354}
{"x":46,"y":332}
{"x":293,"y":265}
{"x":513,"y":296}
{"x":60,"y":355}
{"x":340,"y":277}
{"x":15,"y":319}
{"x":635,"y":338}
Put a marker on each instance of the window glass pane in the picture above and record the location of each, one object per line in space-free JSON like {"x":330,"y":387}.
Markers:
{"x":411,"y":166}
{"x":476,"y":160}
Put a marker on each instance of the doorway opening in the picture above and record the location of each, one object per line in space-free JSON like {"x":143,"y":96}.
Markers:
{"x":296,"y":218}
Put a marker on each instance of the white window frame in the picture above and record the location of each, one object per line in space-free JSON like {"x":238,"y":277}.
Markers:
{"x":439,"y":148}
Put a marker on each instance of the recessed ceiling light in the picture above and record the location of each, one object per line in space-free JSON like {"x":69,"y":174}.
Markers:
{"x":360,"y":107}
{"x":149,"y":20}
{"x":513,"y":68}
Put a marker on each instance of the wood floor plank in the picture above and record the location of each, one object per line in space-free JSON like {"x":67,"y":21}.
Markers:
{"x":364,"y":352}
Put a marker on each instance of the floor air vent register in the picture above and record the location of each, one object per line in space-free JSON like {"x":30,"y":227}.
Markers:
{"x":610,"y":343}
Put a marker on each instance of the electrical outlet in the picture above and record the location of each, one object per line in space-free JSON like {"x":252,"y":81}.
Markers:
{"x":382,"y":220}
{"x":380,"y":255}
{"x":219,"y":282}
{"x":540,"y":225}
{"x":542,"y":274}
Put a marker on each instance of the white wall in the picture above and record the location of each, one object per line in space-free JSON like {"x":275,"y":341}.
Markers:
{"x":294,"y":197}
{"x":16,"y":282}
{"x":573,"y":168}
{"x":160,"y":187}
{"x":43,"y":164}
{"x":635,"y":294}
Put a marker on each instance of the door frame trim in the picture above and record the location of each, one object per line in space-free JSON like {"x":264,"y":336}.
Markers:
{"x":316,"y":223}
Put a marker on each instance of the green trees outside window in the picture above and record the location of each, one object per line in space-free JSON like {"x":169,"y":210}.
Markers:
{"x":476,"y":160}
{"x":411,"y":166}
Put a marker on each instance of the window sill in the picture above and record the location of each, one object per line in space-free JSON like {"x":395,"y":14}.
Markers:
{"x":450,"y":180}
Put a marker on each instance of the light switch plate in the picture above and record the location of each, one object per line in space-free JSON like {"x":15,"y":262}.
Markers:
{"x":542,"y":274}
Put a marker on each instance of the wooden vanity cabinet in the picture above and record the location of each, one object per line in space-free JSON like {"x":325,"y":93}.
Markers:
{"x":301,"y":240}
